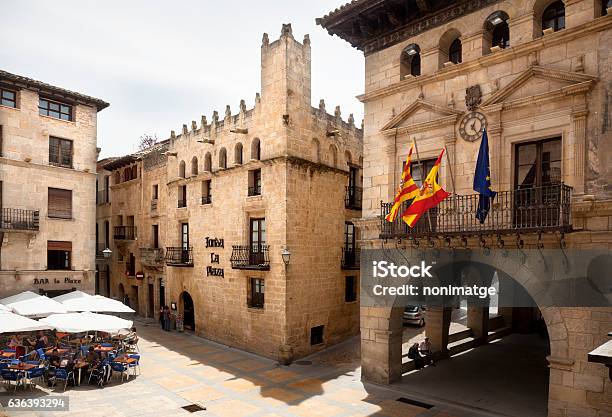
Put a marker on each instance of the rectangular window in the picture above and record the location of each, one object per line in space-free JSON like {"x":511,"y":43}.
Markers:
{"x":131,"y":266}
{"x":8,"y":97}
{"x":60,"y":203}
{"x":256,"y":293}
{"x":258,"y":234}
{"x":154,"y":192}
{"x":155,"y":236}
{"x":255,"y":182}
{"x":60,"y":152}
{"x":316,"y":335}
{"x":419,"y":171}
{"x":206,"y":192}
{"x":538,"y":164}
{"x":55,"y":109}
{"x":59,"y":255}
{"x":182,"y":196}
{"x":350,"y":289}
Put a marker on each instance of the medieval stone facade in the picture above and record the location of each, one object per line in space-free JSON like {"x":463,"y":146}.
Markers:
{"x":252,"y":213}
{"x":47,"y":183}
{"x":537,"y":75}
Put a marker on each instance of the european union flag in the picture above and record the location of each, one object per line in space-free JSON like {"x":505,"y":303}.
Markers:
{"x":482,"y":180}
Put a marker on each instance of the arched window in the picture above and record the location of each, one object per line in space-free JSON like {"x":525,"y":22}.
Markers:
{"x":194,"y":166}
{"x":238,"y":154}
{"x":554,"y":16}
{"x":410,"y":61}
{"x":134,"y":172}
{"x":255,"y":149}
{"x":222,"y":158}
{"x":182,"y":169}
{"x":207,"y":162}
{"x":454,"y":51}
{"x":315,"y":151}
{"x":333,"y":153}
{"x":497,"y":26}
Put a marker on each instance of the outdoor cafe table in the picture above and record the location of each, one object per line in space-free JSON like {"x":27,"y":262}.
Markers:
{"x":104,"y":348}
{"x":79,"y":367}
{"x":22,"y":367}
{"x":7,"y":355}
{"x":125,"y":360}
{"x":61,"y":351}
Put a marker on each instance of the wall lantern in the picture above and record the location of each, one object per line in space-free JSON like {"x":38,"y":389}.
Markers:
{"x":286,"y":256}
{"x":411,"y":49}
{"x":107,"y":253}
{"x":496,"y":18}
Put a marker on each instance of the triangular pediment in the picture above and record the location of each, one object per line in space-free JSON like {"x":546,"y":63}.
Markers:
{"x":538,"y":82}
{"x":419,"y":112}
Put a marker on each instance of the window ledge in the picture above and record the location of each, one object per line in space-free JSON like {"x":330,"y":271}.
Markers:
{"x":9,"y":107}
{"x":57,"y":119}
{"x":60,"y":218}
{"x":256,"y":310}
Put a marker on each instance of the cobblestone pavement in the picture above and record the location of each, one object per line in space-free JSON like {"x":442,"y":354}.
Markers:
{"x":179,"y":369}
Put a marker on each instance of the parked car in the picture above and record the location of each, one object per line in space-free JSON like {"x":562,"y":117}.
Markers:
{"x":414,"y":315}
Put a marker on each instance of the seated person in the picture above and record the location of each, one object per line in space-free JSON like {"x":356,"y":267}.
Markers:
{"x":425,"y":350}
{"x":92,"y":357}
{"x":15,"y":341}
{"x":42,"y":341}
{"x":413,"y":353}
{"x":54,"y":362}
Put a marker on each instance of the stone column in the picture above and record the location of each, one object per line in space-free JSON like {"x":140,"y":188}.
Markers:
{"x":494,"y":132}
{"x":478,"y":321}
{"x":437,"y":324}
{"x":579,"y":132}
{"x":381,"y":344}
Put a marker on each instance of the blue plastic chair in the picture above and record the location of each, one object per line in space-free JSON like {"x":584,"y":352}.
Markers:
{"x":35,"y":373}
{"x":106,"y":344}
{"x":9,"y":375}
{"x":135,"y":365}
{"x":63,"y":375}
{"x":41,"y":354}
{"x":121,"y":368}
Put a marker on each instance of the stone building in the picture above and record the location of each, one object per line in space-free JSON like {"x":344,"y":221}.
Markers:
{"x":47,"y":183}
{"x":536,"y":74}
{"x":254,"y":213}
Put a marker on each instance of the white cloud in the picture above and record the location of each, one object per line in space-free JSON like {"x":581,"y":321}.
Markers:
{"x":161,"y":64}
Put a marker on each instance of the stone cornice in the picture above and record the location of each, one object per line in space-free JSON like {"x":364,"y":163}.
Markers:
{"x":422,"y":127}
{"x":507,"y":54}
{"x":43,"y":167}
{"x":418,"y":104}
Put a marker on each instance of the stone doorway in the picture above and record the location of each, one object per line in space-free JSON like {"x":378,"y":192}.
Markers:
{"x":186,"y":309}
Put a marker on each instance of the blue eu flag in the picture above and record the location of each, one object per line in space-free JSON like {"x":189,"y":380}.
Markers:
{"x":482,"y":180}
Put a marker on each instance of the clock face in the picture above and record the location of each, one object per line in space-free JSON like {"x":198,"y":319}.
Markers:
{"x":472,"y":126}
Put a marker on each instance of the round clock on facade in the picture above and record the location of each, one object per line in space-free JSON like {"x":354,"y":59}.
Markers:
{"x":472,"y":126}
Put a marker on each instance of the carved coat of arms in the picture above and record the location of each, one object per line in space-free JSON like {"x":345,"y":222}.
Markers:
{"x":473,"y":97}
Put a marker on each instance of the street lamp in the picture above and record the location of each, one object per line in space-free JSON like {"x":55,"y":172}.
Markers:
{"x":107,"y":253}
{"x":286,"y":256}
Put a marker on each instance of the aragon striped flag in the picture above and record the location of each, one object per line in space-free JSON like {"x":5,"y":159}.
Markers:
{"x":430,"y":195}
{"x":406,"y":191}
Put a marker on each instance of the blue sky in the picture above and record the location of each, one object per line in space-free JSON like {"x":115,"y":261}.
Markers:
{"x":164,"y":63}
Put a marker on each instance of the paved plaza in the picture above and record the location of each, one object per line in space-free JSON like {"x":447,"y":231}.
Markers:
{"x":180,"y":369}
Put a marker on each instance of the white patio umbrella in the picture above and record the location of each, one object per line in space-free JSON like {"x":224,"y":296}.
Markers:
{"x":4,"y":308}
{"x":26,"y":295}
{"x":86,"y":321}
{"x":39,"y":306}
{"x":76,"y":294}
{"x":14,"y":323}
{"x":96,"y":303}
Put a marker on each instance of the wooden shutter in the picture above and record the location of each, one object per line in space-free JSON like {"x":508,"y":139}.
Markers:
{"x":60,"y":203}
{"x":58,"y":245}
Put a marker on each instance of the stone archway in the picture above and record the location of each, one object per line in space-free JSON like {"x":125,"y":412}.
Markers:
{"x":187,"y":311}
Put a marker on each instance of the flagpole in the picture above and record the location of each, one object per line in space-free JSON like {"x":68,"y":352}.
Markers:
{"x":450,"y":171}
{"x":416,"y":148}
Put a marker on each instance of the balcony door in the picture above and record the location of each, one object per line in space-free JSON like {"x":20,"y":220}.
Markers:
{"x":537,"y":176}
{"x":185,"y":243}
{"x":419,"y":171}
{"x":349,"y":243}
{"x":258,"y":241}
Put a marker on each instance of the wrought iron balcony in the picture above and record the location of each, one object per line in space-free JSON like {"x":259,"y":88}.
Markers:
{"x":352,"y":197}
{"x":524,"y":210}
{"x":250,"y":257}
{"x":256,"y":190}
{"x":350,"y":258}
{"x":177,"y":256}
{"x":125,"y":233}
{"x":102,"y":197}
{"x":207,"y":199}
{"x":12,"y":220}
{"x":153,"y":257}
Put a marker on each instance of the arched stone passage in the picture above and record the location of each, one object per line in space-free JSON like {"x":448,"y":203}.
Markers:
{"x":187,"y":311}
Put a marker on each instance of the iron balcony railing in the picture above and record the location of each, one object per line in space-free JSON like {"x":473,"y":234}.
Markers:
{"x":102,"y":197}
{"x":125,"y":233}
{"x":256,"y":190}
{"x":350,"y":258}
{"x":207,"y":199}
{"x":178,"y":256}
{"x":353,"y":197}
{"x":152,"y":256}
{"x":154,"y":204}
{"x":182,"y":203}
{"x":250,"y":257}
{"x":524,"y":210}
{"x":18,"y":219}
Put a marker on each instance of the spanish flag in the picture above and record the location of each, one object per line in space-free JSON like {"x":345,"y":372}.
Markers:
{"x":406,"y":191}
{"x":430,"y":195}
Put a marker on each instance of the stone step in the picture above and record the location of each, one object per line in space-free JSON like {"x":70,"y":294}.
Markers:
{"x":453,"y":337}
{"x":498,"y":333}
{"x":461,"y":345}
{"x":496,"y":322}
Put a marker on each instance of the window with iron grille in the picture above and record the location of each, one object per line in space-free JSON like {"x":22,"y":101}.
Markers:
{"x":55,"y":109}
{"x":256,"y":293}
{"x":8,"y":97}
{"x":350,"y":289}
{"x":60,"y":203}
{"x":316,"y":335}
{"x":60,"y":152}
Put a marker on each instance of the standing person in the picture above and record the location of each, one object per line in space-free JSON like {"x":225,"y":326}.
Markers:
{"x":425,"y":350}
{"x":413,"y":353}
{"x":166,"y":318}
{"x":161,"y":317}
